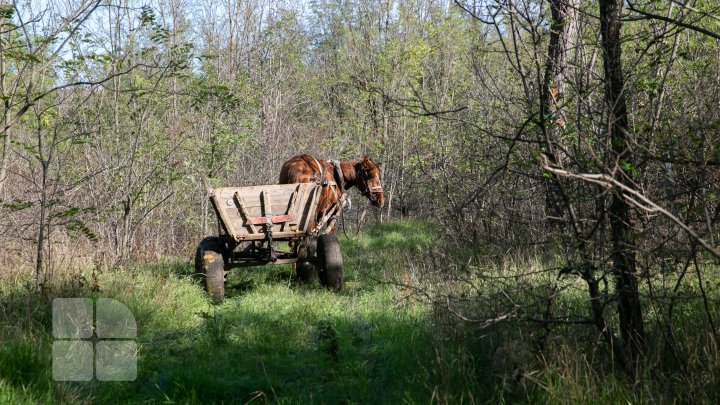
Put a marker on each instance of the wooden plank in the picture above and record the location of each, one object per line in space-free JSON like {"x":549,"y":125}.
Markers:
{"x":253,"y":192}
{"x":267,"y":208}
{"x":309,"y":208}
{"x":256,"y":206}
{"x":300,"y":206}
{"x":276,"y":236}
{"x":291,"y":206}
{"x":309,"y":217}
{"x":227,"y":224}
{"x":282,"y":219}
{"x":302,"y":223}
{"x":267,"y":203}
{"x":245,"y":213}
{"x":257,"y":221}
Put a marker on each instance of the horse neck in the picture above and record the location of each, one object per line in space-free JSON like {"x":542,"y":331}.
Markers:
{"x":349,"y":174}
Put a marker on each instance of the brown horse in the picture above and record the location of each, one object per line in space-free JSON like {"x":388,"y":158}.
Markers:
{"x":362,"y":173}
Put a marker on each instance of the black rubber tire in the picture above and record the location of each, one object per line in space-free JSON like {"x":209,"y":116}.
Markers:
{"x":304,"y":268}
{"x":210,"y":264}
{"x":330,"y":262}
{"x":306,"y":272}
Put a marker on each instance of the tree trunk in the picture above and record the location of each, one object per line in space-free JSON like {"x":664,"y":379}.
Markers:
{"x":6,"y":119}
{"x":621,"y":214}
{"x":563,"y":39}
{"x":40,"y":252}
{"x":5,"y":147}
{"x":6,"y":115}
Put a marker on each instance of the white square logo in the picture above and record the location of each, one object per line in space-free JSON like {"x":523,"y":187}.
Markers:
{"x":78,"y":357}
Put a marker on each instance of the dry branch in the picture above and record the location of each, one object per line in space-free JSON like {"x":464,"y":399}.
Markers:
{"x":634,"y":197}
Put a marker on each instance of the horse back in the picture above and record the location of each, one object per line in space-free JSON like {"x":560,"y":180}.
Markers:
{"x":302,"y":169}
{"x":296,"y":170}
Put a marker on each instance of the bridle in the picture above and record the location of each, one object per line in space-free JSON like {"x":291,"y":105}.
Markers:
{"x":368,"y":189}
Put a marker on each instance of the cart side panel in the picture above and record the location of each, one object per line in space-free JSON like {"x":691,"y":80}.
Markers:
{"x":237,"y":206}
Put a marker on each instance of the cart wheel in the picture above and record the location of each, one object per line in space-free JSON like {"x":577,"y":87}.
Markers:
{"x":209,"y":262}
{"x":306,"y":271}
{"x":330,"y":262}
{"x":304,"y":268}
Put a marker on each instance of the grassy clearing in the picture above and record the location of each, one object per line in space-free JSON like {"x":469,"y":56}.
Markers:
{"x":273,"y":340}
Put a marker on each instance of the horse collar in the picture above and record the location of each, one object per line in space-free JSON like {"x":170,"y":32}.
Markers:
{"x":338,"y":170}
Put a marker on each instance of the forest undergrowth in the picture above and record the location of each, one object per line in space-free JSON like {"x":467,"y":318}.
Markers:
{"x":403,"y":330}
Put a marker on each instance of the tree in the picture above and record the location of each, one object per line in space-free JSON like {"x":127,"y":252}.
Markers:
{"x":621,"y":164}
{"x":26,"y":57}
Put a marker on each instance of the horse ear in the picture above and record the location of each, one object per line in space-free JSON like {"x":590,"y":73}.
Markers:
{"x":366,"y":159}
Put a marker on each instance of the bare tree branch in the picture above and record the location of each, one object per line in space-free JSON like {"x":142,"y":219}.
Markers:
{"x":634,"y":197}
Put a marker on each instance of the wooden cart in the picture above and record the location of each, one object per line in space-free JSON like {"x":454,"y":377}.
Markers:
{"x":256,"y":222}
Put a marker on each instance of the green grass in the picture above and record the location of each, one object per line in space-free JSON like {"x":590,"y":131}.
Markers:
{"x":271,"y":340}
{"x":274,"y":340}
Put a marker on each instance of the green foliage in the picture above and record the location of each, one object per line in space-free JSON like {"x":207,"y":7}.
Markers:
{"x":17,"y":205}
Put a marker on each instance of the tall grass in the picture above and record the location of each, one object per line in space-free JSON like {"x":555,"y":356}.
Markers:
{"x":389,"y":337}
{"x":271,"y":340}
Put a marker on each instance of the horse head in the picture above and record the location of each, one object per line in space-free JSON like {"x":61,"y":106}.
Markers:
{"x":368,"y":181}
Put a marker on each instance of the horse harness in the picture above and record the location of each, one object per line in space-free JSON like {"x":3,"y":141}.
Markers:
{"x":328,"y":219}
{"x":369,"y":190}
